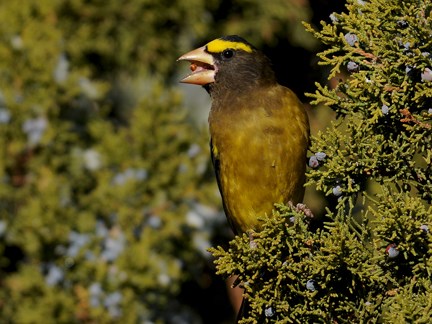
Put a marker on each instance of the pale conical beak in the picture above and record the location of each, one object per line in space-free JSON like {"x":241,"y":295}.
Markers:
{"x":202,"y":67}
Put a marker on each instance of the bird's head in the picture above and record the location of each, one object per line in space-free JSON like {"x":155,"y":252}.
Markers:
{"x":229,"y":62}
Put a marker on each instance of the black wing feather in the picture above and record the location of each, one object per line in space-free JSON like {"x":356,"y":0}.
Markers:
{"x":216,"y":166}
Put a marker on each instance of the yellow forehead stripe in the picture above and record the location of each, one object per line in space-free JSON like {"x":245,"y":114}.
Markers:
{"x":219,"y":45}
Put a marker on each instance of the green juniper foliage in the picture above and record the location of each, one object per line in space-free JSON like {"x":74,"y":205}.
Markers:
{"x":97,"y":191}
{"x":371,"y":260}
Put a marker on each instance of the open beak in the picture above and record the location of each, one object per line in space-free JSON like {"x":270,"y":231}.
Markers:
{"x":202,"y":67}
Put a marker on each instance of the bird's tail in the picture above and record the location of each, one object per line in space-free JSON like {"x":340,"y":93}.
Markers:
{"x":244,"y":310}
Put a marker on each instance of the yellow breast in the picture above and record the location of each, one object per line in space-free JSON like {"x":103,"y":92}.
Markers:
{"x":261,"y":149}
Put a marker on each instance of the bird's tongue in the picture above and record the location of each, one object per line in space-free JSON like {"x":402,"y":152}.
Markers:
{"x":198,"y":67}
{"x":202,"y":73}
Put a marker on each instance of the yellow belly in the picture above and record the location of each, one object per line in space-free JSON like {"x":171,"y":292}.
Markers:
{"x":262,"y":159}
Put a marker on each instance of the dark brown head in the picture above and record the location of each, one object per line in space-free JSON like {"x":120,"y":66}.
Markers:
{"x":228,"y":63}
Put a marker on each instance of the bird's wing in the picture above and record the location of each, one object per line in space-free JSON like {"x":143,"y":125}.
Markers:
{"x":216,"y":166}
{"x":215,"y":162}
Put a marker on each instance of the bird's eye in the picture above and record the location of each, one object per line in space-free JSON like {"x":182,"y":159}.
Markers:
{"x":227,"y":54}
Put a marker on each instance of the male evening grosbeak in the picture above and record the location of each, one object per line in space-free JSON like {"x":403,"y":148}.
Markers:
{"x":259,"y":130}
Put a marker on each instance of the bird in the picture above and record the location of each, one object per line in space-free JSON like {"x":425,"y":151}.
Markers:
{"x":259,"y":133}
{"x":259,"y":130}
